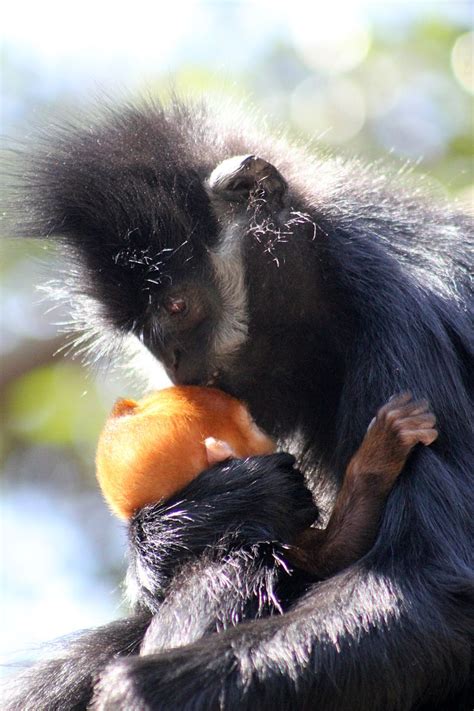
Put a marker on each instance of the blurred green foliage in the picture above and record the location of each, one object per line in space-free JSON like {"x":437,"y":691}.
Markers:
{"x":50,"y":405}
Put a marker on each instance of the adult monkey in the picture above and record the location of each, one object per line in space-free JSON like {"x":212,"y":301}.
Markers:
{"x":313,"y":291}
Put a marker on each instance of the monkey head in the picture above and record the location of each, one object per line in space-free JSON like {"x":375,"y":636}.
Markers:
{"x":182,"y":237}
{"x":150,"y":449}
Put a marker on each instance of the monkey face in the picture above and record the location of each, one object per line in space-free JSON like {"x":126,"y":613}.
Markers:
{"x":198,"y":318}
{"x":205,"y":321}
{"x":171,"y":240}
{"x":174,"y":272}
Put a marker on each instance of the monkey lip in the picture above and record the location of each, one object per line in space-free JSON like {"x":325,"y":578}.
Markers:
{"x":209,"y":382}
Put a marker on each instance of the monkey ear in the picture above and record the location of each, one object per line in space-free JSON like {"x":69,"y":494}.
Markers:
{"x":217,"y":451}
{"x":123,"y":407}
{"x":236,"y":178}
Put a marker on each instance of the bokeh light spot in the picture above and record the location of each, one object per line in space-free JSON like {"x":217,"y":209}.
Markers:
{"x":333,"y":42}
{"x":462,"y":61}
{"x":334,"y":111}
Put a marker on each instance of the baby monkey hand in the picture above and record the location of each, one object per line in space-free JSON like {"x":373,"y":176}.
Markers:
{"x":398,"y":426}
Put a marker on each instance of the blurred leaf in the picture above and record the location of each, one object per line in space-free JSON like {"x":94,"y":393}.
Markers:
{"x":433,"y":38}
{"x":54,"y":405}
{"x":462,"y":145}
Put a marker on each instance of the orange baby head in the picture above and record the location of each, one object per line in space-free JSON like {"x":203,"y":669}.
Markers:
{"x":150,"y":449}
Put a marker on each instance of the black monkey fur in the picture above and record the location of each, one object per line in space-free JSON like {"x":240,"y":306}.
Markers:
{"x":346,"y":287}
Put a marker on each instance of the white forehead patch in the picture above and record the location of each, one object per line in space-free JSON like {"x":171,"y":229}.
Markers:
{"x":229,"y":272}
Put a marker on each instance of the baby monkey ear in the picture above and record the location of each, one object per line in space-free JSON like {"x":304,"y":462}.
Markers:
{"x":217,"y":451}
{"x":236,"y":178}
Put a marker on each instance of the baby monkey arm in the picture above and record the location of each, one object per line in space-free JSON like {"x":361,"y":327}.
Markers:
{"x":398,"y":427}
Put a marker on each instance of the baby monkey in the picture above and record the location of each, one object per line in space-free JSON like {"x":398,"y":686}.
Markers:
{"x":151,"y":449}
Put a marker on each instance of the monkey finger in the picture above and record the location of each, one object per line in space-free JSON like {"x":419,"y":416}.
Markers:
{"x":396,"y":404}
{"x":395,"y":401}
{"x":422,"y":422}
{"x":409,"y":410}
{"x":419,"y":436}
{"x":401,"y":397}
{"x":417,"y":407}
{"x":217,"y":451}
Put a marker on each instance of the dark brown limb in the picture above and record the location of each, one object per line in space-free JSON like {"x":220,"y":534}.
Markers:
{"x":398,"y":426}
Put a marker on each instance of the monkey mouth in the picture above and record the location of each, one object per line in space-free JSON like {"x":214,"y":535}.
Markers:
{"x":212,"y":381}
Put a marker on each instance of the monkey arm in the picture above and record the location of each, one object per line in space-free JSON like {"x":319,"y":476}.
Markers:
{"x":219,"y":590}
{"x":67,"y":680}
{"x":243,"y":575}
{"x":256,"y":500}
{"x":369,"y":478}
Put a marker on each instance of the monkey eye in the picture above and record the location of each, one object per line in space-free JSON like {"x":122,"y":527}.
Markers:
{"x":175,"y":305}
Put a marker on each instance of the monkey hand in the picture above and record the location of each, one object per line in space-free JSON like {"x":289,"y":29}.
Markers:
{"x":260,"y":495}
{"x":263,"y":497}
{"x":237,"y":503}
{"x":398,"y":427}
